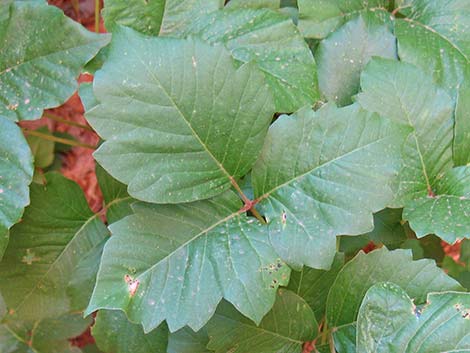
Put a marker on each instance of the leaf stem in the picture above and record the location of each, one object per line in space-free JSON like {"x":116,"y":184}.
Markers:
{"x":56,"y":139}
{"x":249,"y":204}
{"x":97,"y":16}
{"x":331,"y":343}
{"x":67,"y":122}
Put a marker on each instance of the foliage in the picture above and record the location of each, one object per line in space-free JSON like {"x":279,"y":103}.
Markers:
{"x":249,"y":151}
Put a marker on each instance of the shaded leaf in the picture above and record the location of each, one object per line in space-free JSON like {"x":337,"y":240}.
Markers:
{"x":170,"y":135}
{"x":389,"y":322}
{"x":16,"y":173}
{"x":188,"y":341}
{"x":42,"y":149}
{"x":114,"y":333}
{"x":273,"y":43}
{"x":343,"y":55}
{"x":176,"y":262}
{"x":322,"y":174}
{"x":284,"y":329}
{"x":313,"y":285}
{"x":41,"y":54}
{"x":57,"y":229}
{"x":317,"y":18}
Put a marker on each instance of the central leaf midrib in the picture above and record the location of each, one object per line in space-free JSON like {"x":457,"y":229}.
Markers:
{"x":193,"y":132}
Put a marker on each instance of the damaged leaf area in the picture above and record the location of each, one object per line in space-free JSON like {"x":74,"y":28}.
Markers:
{"x":235,"y":176}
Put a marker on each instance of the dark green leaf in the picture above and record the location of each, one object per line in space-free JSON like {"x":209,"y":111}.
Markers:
{"x":42,"y":149}
{"x":284,"y":329}
{"x":188,"y":341}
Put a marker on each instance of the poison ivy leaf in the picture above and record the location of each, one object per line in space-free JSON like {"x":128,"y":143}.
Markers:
{"x":418,"y":278}
{"x":273,"y":43}
{"x":176,"y":262}
{"x":16,"y":173}
{"x":389,"y":322}
{"x":435,"y":38}
{"x":462,"y":126}
{"x":157,"y":16}
{"x":313,"y":285}
{"x":42,"y":149}
{"x":427,"y":186}
{"x":285,"y":328}
{"x":447,"y":213}
{"x":188,"y":341}
{"x":254,"y":4}
{"x":117,"y":201}
{"x":343,"y":55}
{"x":170,"y":135}
{"x":388,"y":228}
{"x":46,"y":336}
{"x":322,"y":174}
{"x":57,"y":229}
{"x":41,"y":53}
{"x":317,"y":18}
{"x":114,"y":333}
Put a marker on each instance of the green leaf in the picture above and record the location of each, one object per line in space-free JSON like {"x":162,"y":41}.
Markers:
{"x":285,"y":328}
{"x":446,"y":214}
{"x":313,"y":285}
{"x":41,"y":54}
{"x":389,"y":322}
{"x":273,"y":43}
{"x":16,"y":173}
{"x":87,"y":97}
{"x":388,"y":228}
{"x":117,"y":201}
{"x":46,"y":336}
{"x":114,"y":333}
{"x":435,"y":37}
{"x":57,"y":229}
{"x":180,"y":120}
{"x":462,"y":125}
{"x":418,"y":278}
{"x":254,"y":4}
{"x":343,"y":55}
{"x":176,"y":262}
{"x":426,"y":186}
{"x":155,"y":17}
{"x":42,"y":149}
{"x":317,"y":18}
{"x":322,"y":174}
{"x":188,"y":341}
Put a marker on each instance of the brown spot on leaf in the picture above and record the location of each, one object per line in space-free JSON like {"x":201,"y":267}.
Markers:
{"x":132,"y":284}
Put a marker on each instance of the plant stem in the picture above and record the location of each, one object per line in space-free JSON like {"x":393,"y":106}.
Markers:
{"x":57,"y":139}
{"x":97,"y":16}
{"x":331,"y":343}
{"x":249,"y":204}
{"x":67,"y":122}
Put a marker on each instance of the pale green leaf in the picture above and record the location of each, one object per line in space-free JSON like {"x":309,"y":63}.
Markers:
{"x":87,"y":97}
{"x":405,"y":93}
{"x":117,"y":201}
{"x":462,"y":125}
{"x":323,"y":174}
{"x":57,"y":229}
{"x":16,"y":173}
{"x":389,"y":322}
{"x":188,"y":341}
{"x":447,"y":213}
{"x":435,"y":37}
{"x":273,"y":43}
{"x":284,"y":329}
{"x":41,"y":54}
{"x":155,"y":17}
{"x":317,"y":18}
{"x":343,"y":55}
{"x":418,"y":278}
{"x":313,"y":285}
{"x":114,"y":333}
{"x":180,"y":120}
{"x":176,"y":262}
{"x":254,"y":4}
